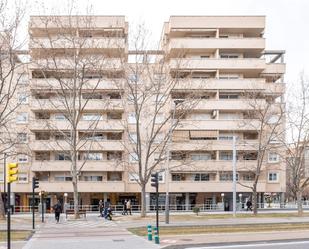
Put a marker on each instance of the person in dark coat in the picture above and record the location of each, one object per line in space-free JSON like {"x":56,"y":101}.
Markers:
{"x":57,"y":210}
{"x":249,"y":205}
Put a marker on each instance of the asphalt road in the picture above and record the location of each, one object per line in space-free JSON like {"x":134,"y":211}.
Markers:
{"x":260,"y":245}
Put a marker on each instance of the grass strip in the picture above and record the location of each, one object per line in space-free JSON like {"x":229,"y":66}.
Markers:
{"x":16,"y":235}
{"x":178,"y":230}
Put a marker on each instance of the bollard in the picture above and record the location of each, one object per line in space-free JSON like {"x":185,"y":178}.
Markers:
{"x":156,"y":236}
{"x":149,"y":230}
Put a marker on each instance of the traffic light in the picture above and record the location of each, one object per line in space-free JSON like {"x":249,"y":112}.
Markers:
{"x":11,"y":172}
{"x":35,"y":183}
{"x":154,"y":180}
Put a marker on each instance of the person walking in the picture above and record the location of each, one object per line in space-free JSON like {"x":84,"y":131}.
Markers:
{"x":125,"y":210}
{"x":101,"y":207}
{"x":129,"y":207}
{"x":249,"y":205}
{"x":57,"y":209}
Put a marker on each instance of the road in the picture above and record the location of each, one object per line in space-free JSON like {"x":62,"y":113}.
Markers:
{"x":260,"y":245}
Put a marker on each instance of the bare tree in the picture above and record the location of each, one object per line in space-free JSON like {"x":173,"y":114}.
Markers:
{"x":267,"y":117}
{"x":74,"y":64}
{"x":153,"y":111}
{"x":298,"y":142}
{"x":11,"y":71}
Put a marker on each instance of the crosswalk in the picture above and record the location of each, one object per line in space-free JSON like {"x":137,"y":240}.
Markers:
{"x":82,"y":223}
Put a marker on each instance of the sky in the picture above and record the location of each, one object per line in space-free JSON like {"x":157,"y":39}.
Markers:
{"x":286,"y":20}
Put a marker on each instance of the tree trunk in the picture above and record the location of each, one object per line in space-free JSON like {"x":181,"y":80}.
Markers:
{"x":75,"y":196}
{"x":2,"y":210}
{"x":299,"y":203}
{"x":254,"y":199}
{"x":143,"y":204}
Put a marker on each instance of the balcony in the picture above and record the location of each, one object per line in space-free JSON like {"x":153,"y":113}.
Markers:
{"x":65,"y":64}
{"x":65,"y":166}
{"x":210,"y":186}
{"x":210,"y":22}
{"x":79,"y":43}
{"x":103,"y":125}
{"x":91,"y":84}
{"x":274,"y":69}
{"x":98,"y":187}
{"x":230,"y":84}
{"x":200,"y":44}
{"x":89,"y":105}
{"x":241,"y":64}
{"x":211,"y":165}
{"x":239,"y":124}
{"x":228,"y":104}
{"x":52,"y":145}
{"x":200,"y":145}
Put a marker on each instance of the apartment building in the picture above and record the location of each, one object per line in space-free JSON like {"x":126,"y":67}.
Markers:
{"x":222,"y":57}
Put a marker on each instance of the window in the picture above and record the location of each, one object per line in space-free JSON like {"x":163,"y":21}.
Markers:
{"x":273,"y":119}
{"x":42,"y":115}
{"x":93,"y":178}
{"x":273,"y":177}
{"x":91,"y":117}
{"x":248,"y":177}
{"x":42,"y":136}
{"x":201,"y":177}
{"x":161,"y":177}
{"x":23,"y":177}
{"x":178,"y":156}
{"x":22,"y":158}
{"x":133,"y":78}
{"x":225,"y":137}
{"x":93,"y":156}
{"x":133,"y":138}
{"x":114,"y":176}
{"x":133,"y":157}
{"x":114,"y":155}
{"x":114,"y":115}
{"x":229,"y":56}
{"x":228,"y":96}
{"x":92,"y":96}
{"x":132,"y":118}
{"x":133,"y":177}
{"x":22,"y":137}
{"x":22,"y":118}
{"x":92,"y":136}
{"x":61,"y":156}
{"x":176,"y":177}
{"x":201,"y":157}
{"x":42,"y":156}
{"x":62,"y":178}
{"x":227,"y":176}
{"x":62,"y":136}
{"x":230,"y":116}
{"x":273,"y":157}
{"x":114,"y":136}
{"x":114,"y":96}
{"x":23,"y":98}
{"x":225,"y":155}
{"x":159,"y":118}
{"x":60,"y":116}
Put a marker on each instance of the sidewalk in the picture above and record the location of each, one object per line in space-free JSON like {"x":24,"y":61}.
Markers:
{"x":85,"y":234}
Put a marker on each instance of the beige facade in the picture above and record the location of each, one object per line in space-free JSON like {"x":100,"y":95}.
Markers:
{"x":221,"y":56}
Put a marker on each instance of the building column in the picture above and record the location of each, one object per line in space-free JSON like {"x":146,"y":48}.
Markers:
{"x":147,"y":201}
{"x":104,"y":197}
{"x":214,"y":199}
{"x":282,"y":199}
{"x":187,"y":201}
{"x":12,"y":198}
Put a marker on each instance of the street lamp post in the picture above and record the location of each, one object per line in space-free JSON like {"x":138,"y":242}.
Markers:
{"x":167,"y":170}
{"x":222,"y":200}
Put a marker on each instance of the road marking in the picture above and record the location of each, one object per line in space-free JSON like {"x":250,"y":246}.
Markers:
{"x":265,"y":244}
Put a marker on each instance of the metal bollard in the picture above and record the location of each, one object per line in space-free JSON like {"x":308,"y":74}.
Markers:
{"x":156,"y":236}
{"x":149,"y":230}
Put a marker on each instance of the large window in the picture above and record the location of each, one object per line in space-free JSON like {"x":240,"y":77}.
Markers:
{"x":273,"y":157}
{"x":201,"y":157}
{"x":227,"y":176}
{"x":273,"y":177}
{"x":63,"y":178}
{"x":91,"y":117}
{"x":114,"y":176}
{"x":225,"y":155}
{"x":42,"y":156}
{"x":23,"y":98}
{"x":201,"y":177}
{"x":61,"y":156}
{"x":133,"y":157}
{"x":114,"y":155}
{"x":93,"y":178}
{"x":92,"y":156}
{"x":178,"y":177}
{"x":132,"y":118}
{"x":133,"y":177}
{"x":22,"y":137}
{"x":22,"y":118}
{"x":23,"y":177}
{"x":22,"y":158}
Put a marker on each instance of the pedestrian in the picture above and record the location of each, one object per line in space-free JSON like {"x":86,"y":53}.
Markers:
{"x":249,"y":205}
{"x":125,"y":210}
{"x":129,"y":207}
{"x":101,"y":207}
{"x":58,"y":210}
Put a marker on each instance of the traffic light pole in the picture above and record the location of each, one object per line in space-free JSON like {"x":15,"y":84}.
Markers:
{"x":9,"y":216}
{"x":157,"y":207}
{"x":33,"y":201}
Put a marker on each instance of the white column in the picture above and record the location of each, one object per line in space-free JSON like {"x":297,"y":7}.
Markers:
{"x":187,"y":201}
{"x":105,"y":197}
{"x":147,"y":201}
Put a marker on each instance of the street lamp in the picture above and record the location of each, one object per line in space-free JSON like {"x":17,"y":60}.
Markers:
{"x":167,"y":170}
{"x":222,"y":200}
{"x":240,"y":201}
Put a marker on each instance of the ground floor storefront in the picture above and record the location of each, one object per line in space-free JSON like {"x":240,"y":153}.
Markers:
{"x":178,"y":201}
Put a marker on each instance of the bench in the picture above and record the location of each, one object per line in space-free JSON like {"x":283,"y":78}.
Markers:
{"x":71,"y":211}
